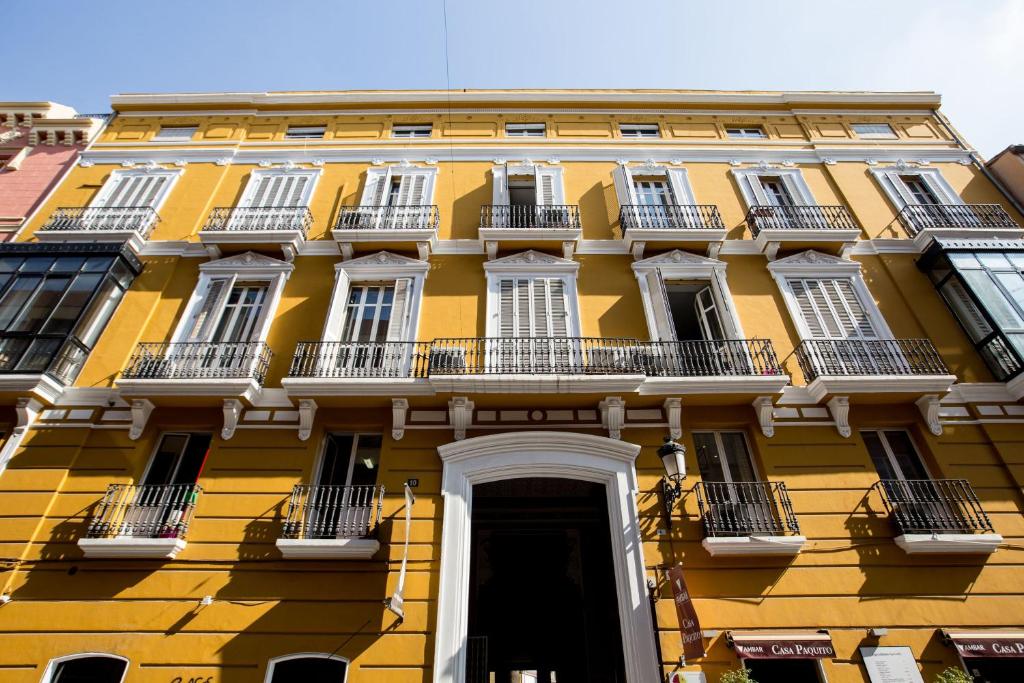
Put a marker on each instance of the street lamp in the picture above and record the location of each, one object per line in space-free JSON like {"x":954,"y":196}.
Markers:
{"x":673,"y":457}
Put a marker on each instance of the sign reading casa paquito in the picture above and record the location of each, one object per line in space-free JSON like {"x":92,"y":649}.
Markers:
{"x":689,"y":626}
{"x":783,"y":646}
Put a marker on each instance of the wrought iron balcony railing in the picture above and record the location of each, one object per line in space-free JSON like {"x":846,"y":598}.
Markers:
{"x":261,"y":219}
{"x":933,"y":506}
{"x":200,"y":360}
{"x":918,"y":217}
{"x":149,"y":511}
{"x":766,"y":217}
{"x":534,"y":356}
{"x":387,"y":218}
{"x":851,"y":357}
{"x":672,"y":217}
{"x":333,"y":511}
{"x":122,"y":219}
{"x":760,"y":508}
{"x":526,"y":216}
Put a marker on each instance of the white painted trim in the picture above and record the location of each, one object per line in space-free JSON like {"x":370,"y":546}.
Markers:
{"x":130,"y":546}
{"x":257,"y":174}
{"x":369,"y":386}
{"x":53,"y":663}
{"x":536,"y":384}
{"x":531,"y":264}
{"x":932,"y":177}
{"x":753,"y":545}
{"x":246,"y":389}
{"x":382,"y":266}
{"x":795,"y":177}
{"x":753,"y":385}
{"x":305,"y":655}
{"x":949,"y":544}
{"x":328,"y":548}
{"x":825,"y":385}
{"x":516,"y":455}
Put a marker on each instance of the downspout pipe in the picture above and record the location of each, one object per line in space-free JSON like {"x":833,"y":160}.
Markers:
{"x":976,"y":158}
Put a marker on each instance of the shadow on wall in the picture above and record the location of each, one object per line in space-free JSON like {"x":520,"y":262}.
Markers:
{"x":465,"y":218}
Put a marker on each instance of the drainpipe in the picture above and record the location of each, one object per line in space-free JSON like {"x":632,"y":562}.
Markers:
{"x":976,"y":158}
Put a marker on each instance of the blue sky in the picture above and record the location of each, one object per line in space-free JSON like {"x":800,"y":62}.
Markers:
{"x":80,"y":53}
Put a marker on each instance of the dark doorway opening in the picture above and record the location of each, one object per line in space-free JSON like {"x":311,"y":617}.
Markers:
{"x":542,"y":600}
{"x":783,"y":670}
{"x":994,"y":669}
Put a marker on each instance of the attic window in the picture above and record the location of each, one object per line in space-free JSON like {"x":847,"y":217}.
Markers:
{"x":755,"y":132}
{"x":406,"y":130}
{"x":305,"y":132}
{"x":640,"y":130}
{"x":175,"y":133}
{"x":525,"y":130}
{"x":873,"y":130}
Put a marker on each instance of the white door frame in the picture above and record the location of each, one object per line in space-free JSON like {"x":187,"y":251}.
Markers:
{"x":565,"y":455}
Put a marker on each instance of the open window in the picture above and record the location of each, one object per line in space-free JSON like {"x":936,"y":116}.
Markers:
{"x":86,"y":668}
{"x":275,"y":199}
{"x":395,"y":197}
{"x":528,"y":196}
{"x":128,"y":201}
{"x":308,"y":668}
{"x":916,"y":186}
{"x":656,"y":197}
{"x":341,"y":501}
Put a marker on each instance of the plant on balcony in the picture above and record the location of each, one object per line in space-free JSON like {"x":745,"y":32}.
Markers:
{"x":736,"y":676}
{"x":953,"y":675}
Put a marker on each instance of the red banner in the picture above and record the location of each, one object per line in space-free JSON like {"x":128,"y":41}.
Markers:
{"x":989,"y":647}
{"x":781,"y":647}
{"x":689,"y":625}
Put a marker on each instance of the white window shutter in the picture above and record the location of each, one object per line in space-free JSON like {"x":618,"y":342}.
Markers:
{"x":296,"y":192}
{"x":831,"y":309}
{"x":756,"y":189}
{"x":679,"y":184}
{"x":132,"y":189}
{"x":523,"y":309}
{"x":399,"y":310}
{"x":378,"y":182}
{"x":558,"y":312}
{"x":208,"y":312}
{"x":896,"y":183}
{"x":624,"y":188}
{"x":499,"y":188}
{"x":816,"y":323}
{"x":549,"y":186}
{"x":663,"y":321}
{"x":855,"y":317}
{"x":798,"y":192}
{"x":707,"y":314}
{"x":966,"y":310}
{"x":506,"y":308}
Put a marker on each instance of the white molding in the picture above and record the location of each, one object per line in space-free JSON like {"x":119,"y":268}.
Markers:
{"x":297,"y":387}
{"x":27,"y":411}
{"x":724,"y":546}
{"x":929,"y":407}
{"x":232,"y":409}
{"x":949,"y":544}
{"x":613,"y":416}
{"x":132,"y":547}
{"x":753,"y":385}
{"x":141,"y":409}
{"x":536,"y":384}
{"x":307,"y":412}
{"x":839,"y":408}
{"x":327,"y":548}
{"x":674,"y":414}
{"x":532,"y":261}
{"x":52,"y":665}
{"x":244,"y":388}
{"x":460,"y":416}
{"x":399,"y":412}
{"x":825,"y":385}
{"x":765,"y":411}
{"x":535,"y":264}
{"x":516,"y":455}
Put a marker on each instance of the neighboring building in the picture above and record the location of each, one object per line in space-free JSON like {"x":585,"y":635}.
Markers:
{"x":282,"y":367}
{"x":39,"y":142}
{"x":1008,"y":167}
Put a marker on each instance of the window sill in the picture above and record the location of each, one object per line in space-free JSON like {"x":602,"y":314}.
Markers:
{"x":328,"y":548}
{"x":923,"y":239}
{"x":131,"y":547}
{"x":725,"y":546}
{"x":38,"y":385}
{"x":130,"y":238}
{"x":913,"y":386}
{"x":951,"y":544}
{"x":244,"y":388}
{"x":771,"y":240}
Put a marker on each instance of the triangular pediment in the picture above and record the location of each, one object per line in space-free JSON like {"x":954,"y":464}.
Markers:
{"x":814,"y":262}
{"x":383,"y":258}
{"x":811,"y":257}
{"x":530,"y":257}
{"x":248,"y":261}
{"x":678,"y":257}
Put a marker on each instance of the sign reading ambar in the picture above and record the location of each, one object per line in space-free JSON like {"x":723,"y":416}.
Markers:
{"x":991,"y":644}
{"x":783,"y":645}
{"x":689,"y":625}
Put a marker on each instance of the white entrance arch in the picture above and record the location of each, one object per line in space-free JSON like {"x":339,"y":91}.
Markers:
{"x":518,"y":455}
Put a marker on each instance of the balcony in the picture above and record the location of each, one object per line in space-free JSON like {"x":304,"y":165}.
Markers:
{"x":141,"y":521}
{"x":332,"y":522}
{"x":386,"y":227}
{"x":924,"y":222}
{"x":688,"y":226}
{"x":825,"y":228}
{"x":128,"y":224}
{"x":937,"y":516}
{"x":196,"y":369}
{"x":244,"y":228}
{"x":748,"y":518}
{"x":528,"y":226}
{"x":872,"y":366}
{"x":552,"y":365}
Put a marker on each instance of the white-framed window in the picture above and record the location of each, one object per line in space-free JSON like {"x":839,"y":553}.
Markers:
{"x":178,"y":459}
{"x":724,"y":456}
{"x":399,"y":186}
{"x":410,"y":130}
{"x":893,"y":454}
{"x":307,"y":666}
{"x":349,"y":459}
{"x":686,"y":297}
{"x":639,"y":130}
{"x":906,"y":185}
{"x":305,"y":132}
{"x":873,"y":131}
{"x":773,"y":187}
{"x":175,"y":133}
{"x":827,"y":298}
{"x":532,"y":295}
{"x":96,"y":667}
{"x":519,"y":193}
{"x":746,"y":132}
{"x":234,"y":300}
{"x":136,"y":188}
{"x":279,"y":188}
{"x":525,"y":130}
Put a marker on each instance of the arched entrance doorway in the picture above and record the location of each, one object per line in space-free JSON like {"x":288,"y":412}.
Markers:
{"x":542,"y":455}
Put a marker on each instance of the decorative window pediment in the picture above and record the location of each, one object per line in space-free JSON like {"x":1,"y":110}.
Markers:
{"x":633,"y":185}
{"x":905,"y":185}
{"x":770,"y":186}
{"x":532,"y":294}
{"x":529,"y":260}
{"x":399,"y":185}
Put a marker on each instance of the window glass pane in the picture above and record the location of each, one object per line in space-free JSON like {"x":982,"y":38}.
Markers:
{"x":37,"y":264}
{"x":95,"y":319}
{"x":192,"y":459}
{"x":997,"y":261}
{"x":1013,"y":283}
{"x":961,"y":260}
{"x":9,"y":264}
{"x":364,"y":469}
{"x":40,"y":305}
{"x":740,"y":467}
{"x":89,"y":670}
{"x":708,"y":458}
{"x":165,"y":460}
{"x":71,"y":304}
{"x":97,"y":264}
{"x":309,"y":670}
{"x":1017,"y":260}
{"x":69,"y":362}
{"x":68,"y":264}
{"x":993,"y":299}
{"x":39,"y":355}
{"x":335,"y":461}
{"x":906,"y":457}
{"x":15,"y":298}
{"x":965,"y":310}
{"x":10,"y":352}
{"x":878,"y":455}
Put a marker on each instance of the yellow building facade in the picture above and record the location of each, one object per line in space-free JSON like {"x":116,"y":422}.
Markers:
{"x":376,"y":386}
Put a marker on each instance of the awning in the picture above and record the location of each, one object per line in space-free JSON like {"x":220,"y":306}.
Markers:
{"x":986,"y":643}
{"x":782,"y":645}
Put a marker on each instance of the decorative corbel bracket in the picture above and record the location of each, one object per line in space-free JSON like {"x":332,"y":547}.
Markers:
{"x":638,"y":250}
{"x":714,"y":248}
{"x":399,"y":411}
{"x":674,"y":414}
{"x":839,"y":406}
{"x":232,"y":412}
{"x":423,"y":250}
{"x":771,"y":250}
{"x":347,"y":252}
{"x":307,"y":411}
{"x":568,"y":247}
{"x":460,"y":415}
{"x":491,"y":247}
{"x":929,"y":407}
{"x":765,"y":410}
{"x":141,"y":409}
{"x":613,"y":415}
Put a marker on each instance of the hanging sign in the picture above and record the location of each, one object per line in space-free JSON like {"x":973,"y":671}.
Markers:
{"x":987,"y":644}
{"x":783,"y":645}
{"x":689,"y":625}
{"x":396,"y":601}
